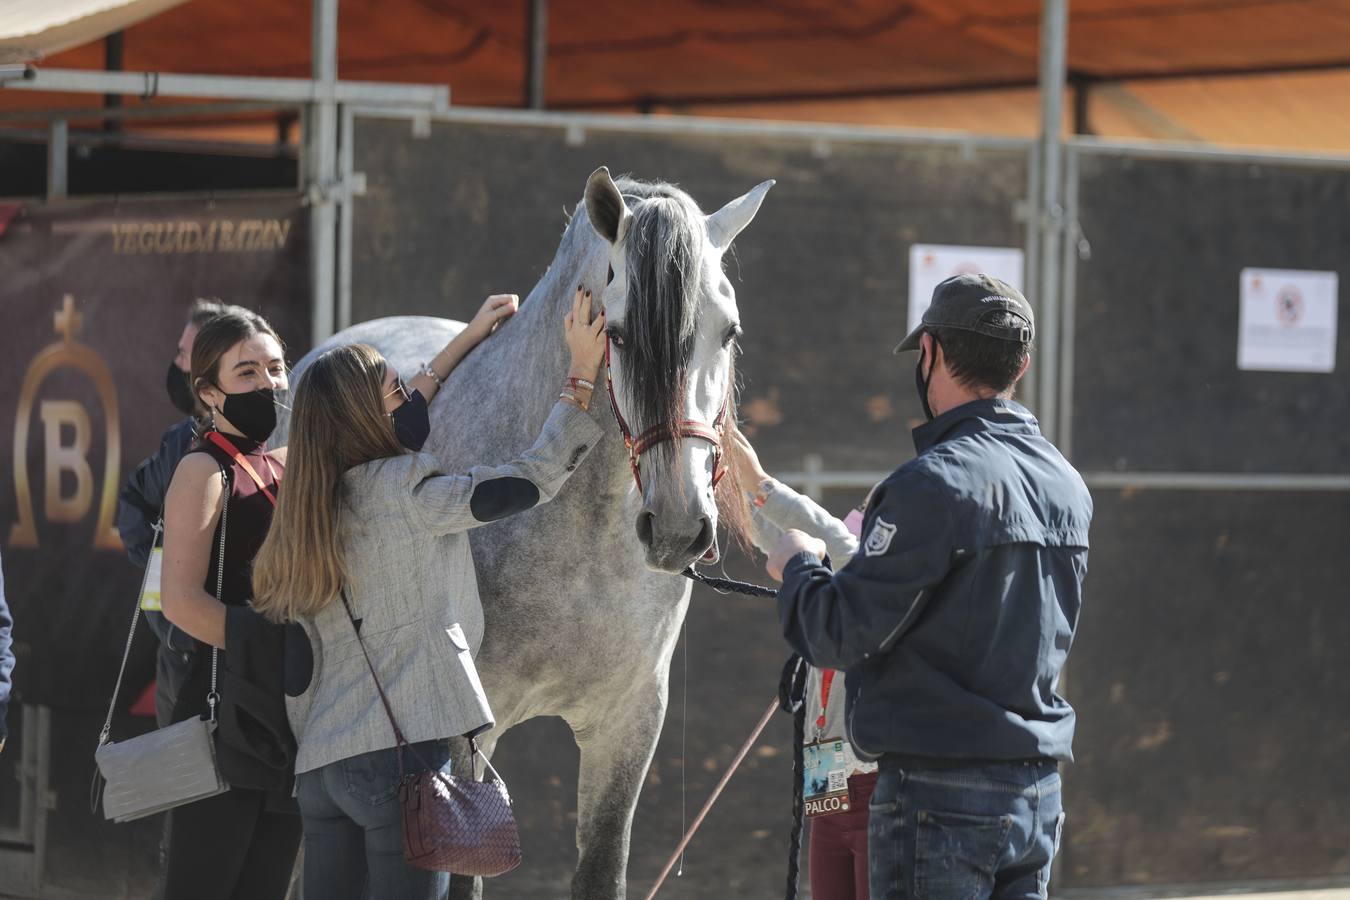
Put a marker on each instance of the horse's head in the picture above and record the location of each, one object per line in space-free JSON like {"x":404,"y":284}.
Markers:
{"x":673,"y":325}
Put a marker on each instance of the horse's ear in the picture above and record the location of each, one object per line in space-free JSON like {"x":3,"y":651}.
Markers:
{"x":605,"y":208}
{"x":730,"y":220}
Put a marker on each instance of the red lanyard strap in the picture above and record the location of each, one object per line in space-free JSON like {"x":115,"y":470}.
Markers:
{"x":826,"y":680}
{"x":223,"y":443}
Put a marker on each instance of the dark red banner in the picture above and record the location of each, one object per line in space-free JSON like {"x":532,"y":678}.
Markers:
{"x":93,"y":297}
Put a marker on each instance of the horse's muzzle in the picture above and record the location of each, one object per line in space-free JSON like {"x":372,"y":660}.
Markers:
{"x":673,"y":549}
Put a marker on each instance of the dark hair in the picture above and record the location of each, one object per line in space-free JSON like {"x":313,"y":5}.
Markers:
{"x":218,"y":335}
{"x":980,"y":361}
{"x":204,"y":309}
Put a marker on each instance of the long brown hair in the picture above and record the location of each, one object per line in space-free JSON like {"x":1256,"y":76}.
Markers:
{"x":221,"y":332}
{"x":337,"y":422}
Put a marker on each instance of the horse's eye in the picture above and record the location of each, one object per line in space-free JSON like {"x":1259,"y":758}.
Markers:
{"x":615,"y":337}
{"x":609,"y":279}
{"x":732,"y":334}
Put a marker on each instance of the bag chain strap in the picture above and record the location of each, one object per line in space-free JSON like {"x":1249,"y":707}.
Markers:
{"x":213,"y":697}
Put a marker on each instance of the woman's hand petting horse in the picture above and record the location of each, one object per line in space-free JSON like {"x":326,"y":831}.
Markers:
{"x":585,"y":337}
{"x":495,"y":310}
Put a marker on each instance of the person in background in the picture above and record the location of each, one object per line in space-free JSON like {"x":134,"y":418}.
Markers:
{"x":6,"y":660}
{"x":369,"y":553}
{"x":140,"y":505}
{"x":837,"y":843}
{"x":955,"y":617}
{"x":242,"y":843}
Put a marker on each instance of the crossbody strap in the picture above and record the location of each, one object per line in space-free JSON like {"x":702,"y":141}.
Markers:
{"x":403,"y":743}
{"x":213,"y":697}
{"x":384,"y":700}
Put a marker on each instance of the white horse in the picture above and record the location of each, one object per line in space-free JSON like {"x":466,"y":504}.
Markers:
{"x":582,"y":597}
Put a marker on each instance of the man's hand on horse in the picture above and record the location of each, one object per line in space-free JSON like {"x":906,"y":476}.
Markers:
{"x":789,"y":545}
{"x":585,"y":337}
{"x":494,"y":311}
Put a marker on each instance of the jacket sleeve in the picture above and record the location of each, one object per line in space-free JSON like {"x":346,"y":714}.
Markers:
{"x":141,"y":500}
{"x":838,"y":619}
{"x":449,"y":503}
{"x":785,"y":509}
{"x":6,"y":657}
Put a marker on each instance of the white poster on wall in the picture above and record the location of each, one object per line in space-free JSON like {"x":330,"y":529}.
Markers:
{"x":932,"y":264}
{"x":1287,"y":320}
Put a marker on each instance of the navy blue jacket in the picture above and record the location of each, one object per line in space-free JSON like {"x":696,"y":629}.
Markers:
{"x":955,"y":617}
{"x":140,"y":504}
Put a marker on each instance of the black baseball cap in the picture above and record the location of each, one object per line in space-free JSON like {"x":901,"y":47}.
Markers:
{"x":970,"y":302}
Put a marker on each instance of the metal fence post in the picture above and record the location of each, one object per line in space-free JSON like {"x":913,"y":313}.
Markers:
{"x":321,"y":139}
{"x":1054,"y":38}
{"x":58,"y":147}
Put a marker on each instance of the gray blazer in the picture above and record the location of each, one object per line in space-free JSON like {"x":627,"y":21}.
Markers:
{"x":412,"y":587}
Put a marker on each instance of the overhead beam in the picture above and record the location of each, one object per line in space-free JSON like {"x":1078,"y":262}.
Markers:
{"x":884,"y":92}
{"x":231,"y":87}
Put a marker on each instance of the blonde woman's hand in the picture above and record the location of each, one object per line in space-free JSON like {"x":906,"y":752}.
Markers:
{"x":495,"y":310}
{"x":743,"y":458}
{"x":585,"y":337}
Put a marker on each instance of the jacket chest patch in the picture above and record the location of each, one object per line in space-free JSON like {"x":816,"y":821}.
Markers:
{"x":879,"y":538}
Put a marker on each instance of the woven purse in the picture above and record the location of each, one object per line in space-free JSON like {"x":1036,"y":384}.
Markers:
{"x":450,"y":824}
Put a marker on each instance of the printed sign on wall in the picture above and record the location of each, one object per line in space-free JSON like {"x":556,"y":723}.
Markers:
{"x":932,"y":264}
{"x":94,"y":297}
{"x":1287,"y":320}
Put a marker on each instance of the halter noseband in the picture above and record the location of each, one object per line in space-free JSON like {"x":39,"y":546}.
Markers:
{"x":659,"y":434}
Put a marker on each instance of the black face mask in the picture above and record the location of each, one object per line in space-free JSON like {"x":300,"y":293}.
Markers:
{"x":412,"y":423}
{"x":254,"y":413}
{"x":921,"y":383}
{"x":180,"y":392}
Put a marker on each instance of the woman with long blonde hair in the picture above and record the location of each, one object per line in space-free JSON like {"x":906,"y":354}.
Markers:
{"x":369,"y":554}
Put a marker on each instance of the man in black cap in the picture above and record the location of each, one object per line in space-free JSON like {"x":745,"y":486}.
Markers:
{"x":955,"y":617}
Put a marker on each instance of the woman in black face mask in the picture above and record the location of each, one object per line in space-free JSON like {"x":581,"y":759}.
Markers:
{"x":241,"y":843}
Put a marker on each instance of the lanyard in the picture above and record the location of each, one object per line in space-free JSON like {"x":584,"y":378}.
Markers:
{"x":826,"y":681}
{"x":223,"y":443}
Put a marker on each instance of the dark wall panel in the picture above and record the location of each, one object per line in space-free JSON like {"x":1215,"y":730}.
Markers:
{"x":1212,"y":685}
{"x":821,"y":275}
{"x":1156,"y":382}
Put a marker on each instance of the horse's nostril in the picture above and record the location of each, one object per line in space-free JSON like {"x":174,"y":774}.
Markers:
{"x":644,"y":528}
{"x":704,"y":539}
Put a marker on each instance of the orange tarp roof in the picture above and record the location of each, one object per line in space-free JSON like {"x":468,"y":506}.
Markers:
{"x":1153,"y":68}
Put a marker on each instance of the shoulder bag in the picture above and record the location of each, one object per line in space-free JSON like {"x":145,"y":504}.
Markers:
{"x":450,"y":824}
{"x":170,"y":766}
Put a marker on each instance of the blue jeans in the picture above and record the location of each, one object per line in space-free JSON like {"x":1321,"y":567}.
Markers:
{"x":987,"y":831}
{"x":354,"y":828}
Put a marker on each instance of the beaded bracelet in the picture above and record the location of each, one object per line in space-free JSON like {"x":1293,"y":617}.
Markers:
{"x":428,"y":371}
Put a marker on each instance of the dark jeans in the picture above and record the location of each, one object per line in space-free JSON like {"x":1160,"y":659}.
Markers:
{"x":354,"y":828}
{"x":987,"y":831}
{"x":230,"y":847}
{"x":838,"y":847}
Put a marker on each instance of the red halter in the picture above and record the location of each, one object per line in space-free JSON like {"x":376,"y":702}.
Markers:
{"x":659,"y":434}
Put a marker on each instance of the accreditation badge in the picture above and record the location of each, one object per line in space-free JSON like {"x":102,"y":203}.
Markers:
{"x":825,"y":768}
{"x":154,"y":569}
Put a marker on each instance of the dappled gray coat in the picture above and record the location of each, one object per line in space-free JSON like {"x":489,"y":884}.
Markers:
{"x":413,"y":589}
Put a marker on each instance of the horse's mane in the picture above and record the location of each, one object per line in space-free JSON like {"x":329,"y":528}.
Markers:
{"x":664,"y":252}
